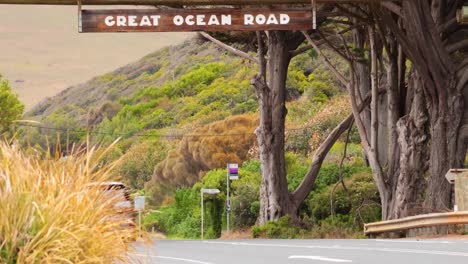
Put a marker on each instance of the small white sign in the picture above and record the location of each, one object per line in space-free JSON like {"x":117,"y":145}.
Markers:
{"x":453,"y":173}
{"x":210,"y":191}
{"x":139,"y":203}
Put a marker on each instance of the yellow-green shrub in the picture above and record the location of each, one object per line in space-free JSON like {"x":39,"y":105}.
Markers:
{"x":49,"y":212}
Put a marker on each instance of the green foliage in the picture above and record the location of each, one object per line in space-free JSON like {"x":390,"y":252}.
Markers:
{"x":295,"y":170}
{"x":137,"y":165}
{"x":282,"y":228}
{"x":66,"y":133}
{"x":340,"y":226}
{"x":357,"y":206}
{"x":11,"y":108}
{"x":320,"y":122}
{"x":245,"y":206}
{"x":178,"y":219}
{"x":181,"y":219}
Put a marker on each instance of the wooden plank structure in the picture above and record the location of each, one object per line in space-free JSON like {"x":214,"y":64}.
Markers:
{"x":179,"y":2}
{"x":177,"y":20}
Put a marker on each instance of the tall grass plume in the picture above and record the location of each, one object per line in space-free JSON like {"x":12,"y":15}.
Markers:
{"x":52,"y":210}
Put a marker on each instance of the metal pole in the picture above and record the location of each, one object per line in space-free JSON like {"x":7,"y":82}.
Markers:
{"x":227,"y":199}
{"x":139,"y":223}
{"x":202,"y":214}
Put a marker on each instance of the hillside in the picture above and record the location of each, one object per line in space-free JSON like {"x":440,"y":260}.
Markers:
{"x":43,"y":53}
{"x":183,"y":112}
{"x":185,"y":89}
{"x":153,"y":69}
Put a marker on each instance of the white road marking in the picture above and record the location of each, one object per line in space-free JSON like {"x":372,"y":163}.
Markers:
{"x":320,"y":258}
{"x":171,"y":258}
{"x":414,"y":241}
{"x":399,"y":250}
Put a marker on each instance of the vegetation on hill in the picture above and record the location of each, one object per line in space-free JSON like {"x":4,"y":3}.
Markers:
{"x":183,"y":112}
{"x":11,"y":108}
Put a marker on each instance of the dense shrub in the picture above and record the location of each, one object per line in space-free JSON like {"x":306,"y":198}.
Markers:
{"x":11,"y":107}
{"x":357,"y":206}
{"x":184,"y":166}
{"x":137,"y":165}
{"x":306,"y":135}
{"x":181,"y":219}
{"x":282,"y":228}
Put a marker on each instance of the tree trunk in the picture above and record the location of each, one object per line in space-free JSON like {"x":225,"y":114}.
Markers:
{"x":274,"y":196}
{"x":413,"y":141}
{"x":436,"y":67}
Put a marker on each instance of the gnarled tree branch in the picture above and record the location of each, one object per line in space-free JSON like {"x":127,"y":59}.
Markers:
{"x":229,"y":48}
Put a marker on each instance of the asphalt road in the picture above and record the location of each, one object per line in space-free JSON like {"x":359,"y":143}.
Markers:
{"x":302,"y":251}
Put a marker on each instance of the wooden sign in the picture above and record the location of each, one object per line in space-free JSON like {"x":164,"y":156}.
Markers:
{"x":177,"y":20}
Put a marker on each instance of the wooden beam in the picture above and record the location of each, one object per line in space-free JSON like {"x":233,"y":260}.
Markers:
{"x":177,"y":2}
{"x":185,"y":20}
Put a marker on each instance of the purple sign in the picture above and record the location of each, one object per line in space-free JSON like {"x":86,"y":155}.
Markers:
{"x":233,"y":171}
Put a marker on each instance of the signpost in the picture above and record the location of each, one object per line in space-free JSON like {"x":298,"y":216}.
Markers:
{"x":232,"y":174}
{"x":139,"y":206}
{"x":207,"y":191}
{"x":462,"y":15}
{"x":183,"y":20}
{"x":459,"y":177}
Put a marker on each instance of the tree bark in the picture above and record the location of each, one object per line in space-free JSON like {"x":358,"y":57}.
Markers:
{"x":412,"y":141}
{"x":435,"y":65}
{"x":274,"y":196}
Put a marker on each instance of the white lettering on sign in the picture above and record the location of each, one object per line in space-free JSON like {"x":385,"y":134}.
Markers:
{"x":248,"y":19}
{"x":121,"y":21}
{"x":109,"y":21}
{"x":202,"y":20}
{"x":195,"y":20}
{"x":145,"y":21}
{"x":189,"y":20}
{"x":155,"y":20}
{"x":178,"y":20}
{"x":132,"y":21}
{"x":270,"y":19}
{"x":213,"y":21}
{"x":284,"y":19}
{"x":226,"y":20}
{"x":260,"y":19}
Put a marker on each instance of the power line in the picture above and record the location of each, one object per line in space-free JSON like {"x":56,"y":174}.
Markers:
{"x":169,"y":136}
{"x":83,"y":131}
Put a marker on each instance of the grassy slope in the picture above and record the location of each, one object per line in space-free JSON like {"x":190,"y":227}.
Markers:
{"x":127,"y":80}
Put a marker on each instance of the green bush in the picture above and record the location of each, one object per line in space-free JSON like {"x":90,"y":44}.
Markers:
{"x":282,"y":228}
{"x":245,"y":207}
{"x":340,"y":226}
{"x":357,"y":206}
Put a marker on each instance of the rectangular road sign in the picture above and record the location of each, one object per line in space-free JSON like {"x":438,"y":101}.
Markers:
{"x":210,"y":191}
{"x":139,"y":203}
{"x":233,"y":171}
{"x":183,"y":20}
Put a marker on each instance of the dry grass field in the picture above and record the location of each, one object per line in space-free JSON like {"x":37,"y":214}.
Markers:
{"x":41,"y":52}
